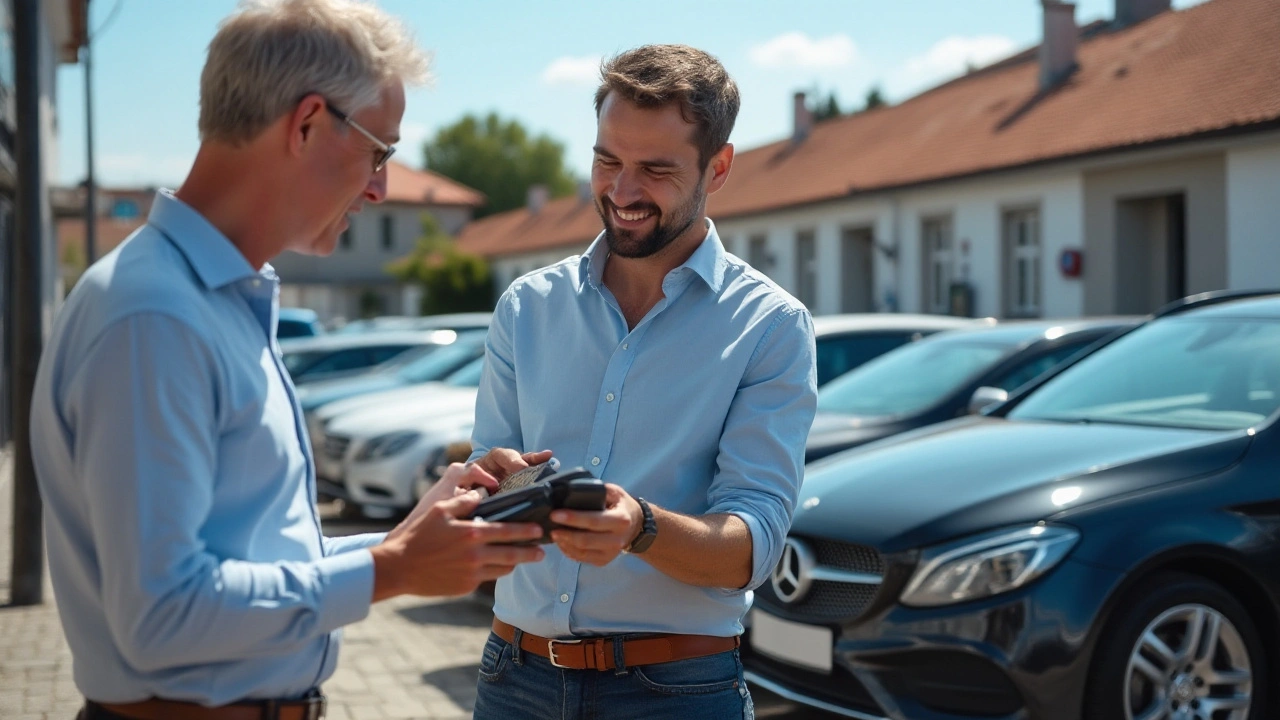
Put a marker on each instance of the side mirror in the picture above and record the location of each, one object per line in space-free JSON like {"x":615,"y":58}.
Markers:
{"x":985,"y":398}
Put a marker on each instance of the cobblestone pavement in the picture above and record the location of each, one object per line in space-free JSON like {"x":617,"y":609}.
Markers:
{"x":411,"y":658}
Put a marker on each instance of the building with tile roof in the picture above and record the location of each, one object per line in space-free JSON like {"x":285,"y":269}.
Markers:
{"x":1107,"y":170}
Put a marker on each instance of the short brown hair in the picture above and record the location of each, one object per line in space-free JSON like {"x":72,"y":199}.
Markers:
{"x":656,"y":75}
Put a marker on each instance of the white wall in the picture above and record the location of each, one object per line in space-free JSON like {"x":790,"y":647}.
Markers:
{"x":1253,"y":217}
{"x":508,"y":268}
{"x":976,"y":208}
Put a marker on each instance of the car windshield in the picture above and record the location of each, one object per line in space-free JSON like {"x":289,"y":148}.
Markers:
{"x":439,"y":363}
{"x":468,"y":376}
{"x":909,"y":379}
{"x":1200,"y":373}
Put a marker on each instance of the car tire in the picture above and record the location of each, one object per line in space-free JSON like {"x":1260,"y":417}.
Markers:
{"x":1148,"y":655}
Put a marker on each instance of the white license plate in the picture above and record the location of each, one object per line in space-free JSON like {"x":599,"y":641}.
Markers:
{"x":796,"y":643}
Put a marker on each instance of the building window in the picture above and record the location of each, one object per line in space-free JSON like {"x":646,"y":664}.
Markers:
{"x":388,"y":232}
{"x":939,"y":264}
{"x":758,"y":255}
{"x":1022,"y":262}
{"x":807,"y":268}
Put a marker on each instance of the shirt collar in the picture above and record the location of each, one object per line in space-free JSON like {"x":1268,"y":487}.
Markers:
{"x":213,"y":257}
{"x":708,"y":261}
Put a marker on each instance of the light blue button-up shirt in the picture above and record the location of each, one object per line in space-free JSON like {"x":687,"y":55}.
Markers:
{"x":184,"y":546}
{"x":702,"y":408}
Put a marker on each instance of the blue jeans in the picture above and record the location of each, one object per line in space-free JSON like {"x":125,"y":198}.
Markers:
{"x":517,"y":685}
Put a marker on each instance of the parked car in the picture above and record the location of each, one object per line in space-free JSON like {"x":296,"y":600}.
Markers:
{"x":309,"y":359}
{"x":428,"y":368}
{"x":944,"y":376}
{"x":1103,"y":545}
{"x":375,"y":452}
{"x":445,"y":321}
{"x":298,"y":322}
{"x":846,"y":341}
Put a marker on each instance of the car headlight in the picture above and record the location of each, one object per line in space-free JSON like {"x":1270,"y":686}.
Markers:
{"x":384,"y":446}
{"x":988,"y":565}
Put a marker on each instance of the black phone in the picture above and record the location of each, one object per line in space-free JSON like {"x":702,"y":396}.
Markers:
{"x":575,"y":489}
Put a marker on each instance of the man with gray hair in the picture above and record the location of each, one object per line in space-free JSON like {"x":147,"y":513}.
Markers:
{"x":190,"y":570}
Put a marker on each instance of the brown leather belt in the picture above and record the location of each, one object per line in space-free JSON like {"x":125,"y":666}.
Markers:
{"x":597,"y":653}
{"x":311,"y":708}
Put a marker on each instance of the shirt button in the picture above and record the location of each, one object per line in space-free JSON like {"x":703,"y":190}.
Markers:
{"x":609,"y":397}
{"x":595,"y":461}
{"x":257,"y":283}
{"x":564,"y":597}
{"x":626,"y":345}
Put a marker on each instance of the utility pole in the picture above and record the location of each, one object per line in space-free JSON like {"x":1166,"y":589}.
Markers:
{"x":30,"y":304}
{"x":90,"y":189}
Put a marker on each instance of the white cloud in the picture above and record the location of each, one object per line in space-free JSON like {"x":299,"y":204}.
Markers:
{"x":948,"y":58}
{"x":572,"y":71}
{"x":798,"y":50}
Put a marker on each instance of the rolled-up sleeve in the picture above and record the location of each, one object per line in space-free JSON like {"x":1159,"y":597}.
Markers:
{"x":144,"y":407}
{"x":347,"y":543}
{"x":760,"y":464}
{"x":497,"y":421}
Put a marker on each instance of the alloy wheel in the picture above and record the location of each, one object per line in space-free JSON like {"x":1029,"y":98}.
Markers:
{"x":1189,"y":663}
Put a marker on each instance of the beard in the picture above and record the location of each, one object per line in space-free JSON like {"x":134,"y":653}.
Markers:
{"x":629,"y":244}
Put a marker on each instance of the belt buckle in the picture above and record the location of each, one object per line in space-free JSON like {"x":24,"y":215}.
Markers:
{"x":316,"y":708}
{"x":551,"y":652}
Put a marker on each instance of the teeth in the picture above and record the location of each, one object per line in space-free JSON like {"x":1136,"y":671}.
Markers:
{"x":630,"y":216}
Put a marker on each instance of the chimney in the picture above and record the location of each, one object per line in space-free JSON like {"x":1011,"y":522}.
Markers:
{"x":1132,"y":12}
{"x":803,"y":122}
{"x":1058,"y":49}
{"x":537,"y":198}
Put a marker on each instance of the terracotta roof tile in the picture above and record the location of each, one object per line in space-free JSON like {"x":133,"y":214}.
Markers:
{"x":406,"y":185}
{"x":1213,"y":67}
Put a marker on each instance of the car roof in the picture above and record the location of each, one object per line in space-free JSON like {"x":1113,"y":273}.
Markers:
{"x":294,"y":313}
{"x":860,"y":322}
{"x":1022,"y":332}
{"x":373,"y":338}
{"x":1266,"y":306}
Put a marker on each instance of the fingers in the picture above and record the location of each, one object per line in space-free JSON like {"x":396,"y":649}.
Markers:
{"x":501,"y":462}
{"x":609,"y":521}
{"x":533,"y":458}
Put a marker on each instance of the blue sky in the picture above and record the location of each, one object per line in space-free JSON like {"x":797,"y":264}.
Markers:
{"x":535,"y":60}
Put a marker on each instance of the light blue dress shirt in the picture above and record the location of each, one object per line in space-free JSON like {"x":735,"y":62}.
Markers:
{"x":184,"y":546}
{"x":702,"y":408}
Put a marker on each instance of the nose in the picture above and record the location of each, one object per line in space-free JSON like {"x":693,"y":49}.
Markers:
{"x":376,"y":190}
{"x":626,"y":189}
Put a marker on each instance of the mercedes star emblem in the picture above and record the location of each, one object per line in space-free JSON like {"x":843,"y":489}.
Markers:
{"x":794,"y":572}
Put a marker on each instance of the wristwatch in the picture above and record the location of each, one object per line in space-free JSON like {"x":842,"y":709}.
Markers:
{"x":648,"y":531}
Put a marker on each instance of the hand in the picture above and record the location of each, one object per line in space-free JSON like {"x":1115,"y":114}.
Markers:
{"x":434,"y":553}
{"x":501,"y":462}
{"x":457,"y":480}
{"x":600,"y":536}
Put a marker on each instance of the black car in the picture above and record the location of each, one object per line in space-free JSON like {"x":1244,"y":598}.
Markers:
{"x":943,"y":377}
{"x":845,"y":342}
{"x":1103,"y":545}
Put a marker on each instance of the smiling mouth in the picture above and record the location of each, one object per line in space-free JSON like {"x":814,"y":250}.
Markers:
{"x":632,"y":216}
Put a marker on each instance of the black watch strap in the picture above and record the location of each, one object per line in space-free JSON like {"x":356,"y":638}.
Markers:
{"x":648,"y":530}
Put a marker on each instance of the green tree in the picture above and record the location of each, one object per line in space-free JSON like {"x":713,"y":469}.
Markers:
{"x":452,"y":281}
{"x":827,"y":109}
{"x":500,"y":159}
{"x":875,"y":99}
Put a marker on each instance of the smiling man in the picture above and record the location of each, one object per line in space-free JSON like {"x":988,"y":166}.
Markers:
{"x":683,"y":378}
{"x":191,"y":574}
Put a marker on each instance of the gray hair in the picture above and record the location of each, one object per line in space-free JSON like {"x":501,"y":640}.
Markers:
{"x":270,"y":54}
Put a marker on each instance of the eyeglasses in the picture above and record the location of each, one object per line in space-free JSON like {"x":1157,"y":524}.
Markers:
{"x":385,"y":151}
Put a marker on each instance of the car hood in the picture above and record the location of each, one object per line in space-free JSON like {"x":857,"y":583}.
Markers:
{"x":832,"y":432}
{"x":313,"y":395}
{"x":973,"y":474}
{"x":405,"y":412}
{"x":406,"y":395}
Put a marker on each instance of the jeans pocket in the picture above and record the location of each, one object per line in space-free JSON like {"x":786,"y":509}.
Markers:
{"x":696,"y":676}
{"x":494,"y":659}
